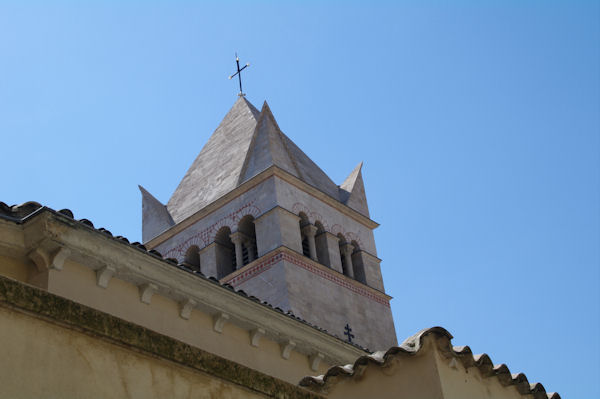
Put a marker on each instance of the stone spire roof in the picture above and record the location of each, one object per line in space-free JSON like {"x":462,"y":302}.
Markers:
{"x":271,"y":147}
{"x":352,"y":191}
{"x":246,"y":143}
{"x":216,"y":170}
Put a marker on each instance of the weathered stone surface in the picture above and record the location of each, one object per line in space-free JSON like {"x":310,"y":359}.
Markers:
{"x":295,"y":284}
{"x":217,"y":168}
{"x":352,"y":191}
{"x":155,"y":216}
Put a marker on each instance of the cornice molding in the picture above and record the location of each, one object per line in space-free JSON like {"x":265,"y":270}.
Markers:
{"x":95,"y":250}
{"x":282,"y":253}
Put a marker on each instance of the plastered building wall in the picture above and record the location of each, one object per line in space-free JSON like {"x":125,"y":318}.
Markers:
{"x":50,"y":361}
{"x":122,"y":299}
{"x":459,"y":382}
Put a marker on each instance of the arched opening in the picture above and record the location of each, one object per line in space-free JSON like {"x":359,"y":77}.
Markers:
{"x":249,"y":249}
{"x":321,"y":245}
{"x":345,"y":266}
{"x":305,"y":245}
{"x":192,"y":258}
{"x":357,"y":264}
{"x":225,"y":252}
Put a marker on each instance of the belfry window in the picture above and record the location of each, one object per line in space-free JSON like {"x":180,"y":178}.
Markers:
{"x":305,"y":245}
{"x":225,"y":252}
{"x":192,"y":258}
{"x":245,"y":241}
{"x":346,"y":256}
{"x":358,"y":264}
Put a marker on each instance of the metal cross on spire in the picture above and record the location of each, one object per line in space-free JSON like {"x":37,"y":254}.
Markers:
{"x":239,"y":73}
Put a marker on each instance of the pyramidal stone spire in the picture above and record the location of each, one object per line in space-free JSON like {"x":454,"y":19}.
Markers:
{"x":267,"y":148}
{"x":245,"y":143}
{"x":352,"y":191}
{"x":270,"y":146}
{"x":215,"y":171}
{"x":155,"y":216}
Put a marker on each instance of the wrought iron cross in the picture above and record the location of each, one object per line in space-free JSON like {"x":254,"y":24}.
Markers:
{"x":348,"y":332}
{"x":239,"y":73}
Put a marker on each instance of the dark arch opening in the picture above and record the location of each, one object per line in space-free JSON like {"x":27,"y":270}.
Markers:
{"x":192,"y":258}
{"x":225,"y":252}
{"x":357,"y":264}
{"x":342,"y":242}
{"x":304,"y":222}
{"x":249,"y":248}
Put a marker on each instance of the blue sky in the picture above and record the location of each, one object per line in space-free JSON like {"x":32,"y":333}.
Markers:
{"x":478,"y":124}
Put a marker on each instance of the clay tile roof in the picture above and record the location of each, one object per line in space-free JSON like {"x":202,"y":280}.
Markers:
{"x":413,"y":345}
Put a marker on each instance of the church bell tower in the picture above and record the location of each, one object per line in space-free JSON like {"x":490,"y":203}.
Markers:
{"x":255,"y":212}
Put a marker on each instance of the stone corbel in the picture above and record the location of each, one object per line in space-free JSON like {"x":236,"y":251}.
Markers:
{"x":186,"y":308}
{"x":103,"y":275}
{"x":219,"y":321}
{"x":146,"y":292}
{"x":286,"y":348}
{"x":315,"y":360}
{"x":255,"y":336}
{"x":45,"y":260}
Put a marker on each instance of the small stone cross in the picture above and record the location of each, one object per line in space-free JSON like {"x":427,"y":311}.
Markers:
{"x":348,"y":332}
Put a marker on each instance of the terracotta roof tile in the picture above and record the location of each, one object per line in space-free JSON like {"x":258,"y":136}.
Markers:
{"x":413,"y":345}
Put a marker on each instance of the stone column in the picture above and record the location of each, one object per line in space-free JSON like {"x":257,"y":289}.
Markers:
{"x":249,"y":243}
{"x":237,"y":238}
{"x":347,"y":254}
{"x":310,"y":231}
{"x":328,"y":251}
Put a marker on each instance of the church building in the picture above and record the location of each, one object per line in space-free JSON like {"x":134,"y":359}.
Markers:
{"x":259,"y":278}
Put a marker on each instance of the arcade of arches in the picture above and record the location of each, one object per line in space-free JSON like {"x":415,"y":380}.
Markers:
{"x":237,"y":249}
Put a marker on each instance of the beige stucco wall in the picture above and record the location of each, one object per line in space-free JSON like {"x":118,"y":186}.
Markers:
{"x":431,"y":372}
{"x":122,"y":299}
{"x":412,"y":377}
{"x":459,"y":382}
{"x":44,"y":360}
{"x":12,"y":268}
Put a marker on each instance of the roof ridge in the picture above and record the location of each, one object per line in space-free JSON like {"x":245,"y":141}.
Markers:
{"x":280,"y":135}
{"x":250,"y":149}
{"x":214,"y":171}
